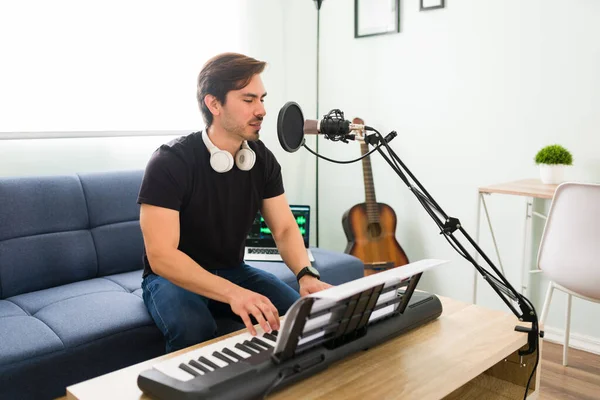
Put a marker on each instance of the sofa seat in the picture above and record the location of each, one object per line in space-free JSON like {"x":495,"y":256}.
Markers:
{"x":68,"y":329}
{"x":51,"y":320}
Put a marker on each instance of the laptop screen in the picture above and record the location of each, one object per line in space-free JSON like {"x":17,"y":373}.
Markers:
{"x":260,"y":234}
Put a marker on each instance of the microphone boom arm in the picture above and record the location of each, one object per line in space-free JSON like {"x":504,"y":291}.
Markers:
{"x":448,"y":225}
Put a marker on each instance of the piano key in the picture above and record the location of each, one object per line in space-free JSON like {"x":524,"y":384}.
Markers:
{"x":189,"y":369}
{"x":241,"y":353}
{"x":208,"y":362}
{"x":215,"y":360}
{"x":270,"y":336}
{"x":222,"y":357}
{"x":261,"y":343}
{"x":275,"y":333}
{"x":245,"y":348}
{"x":253,"y":346}
{"x":199,"y":366}
{"x":232,"y":354}
{"x":270,"y":340}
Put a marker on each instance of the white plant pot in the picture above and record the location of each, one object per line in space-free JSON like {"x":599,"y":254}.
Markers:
{"x":552,"y":174}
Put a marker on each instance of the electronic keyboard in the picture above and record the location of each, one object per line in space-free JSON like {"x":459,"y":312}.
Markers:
{"x":318,"y":330}
{"x":246,"y":367}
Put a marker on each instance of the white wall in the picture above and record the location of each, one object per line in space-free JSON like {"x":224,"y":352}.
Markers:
{"x":131,"y":66}
{"x":474,"y":90}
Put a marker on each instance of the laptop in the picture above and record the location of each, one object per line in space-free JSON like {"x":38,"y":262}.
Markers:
{"x":260,"y":245}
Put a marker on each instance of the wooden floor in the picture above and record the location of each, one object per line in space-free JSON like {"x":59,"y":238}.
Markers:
{"x":580,"y":380}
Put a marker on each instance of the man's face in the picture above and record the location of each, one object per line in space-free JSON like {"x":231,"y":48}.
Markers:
{"x":244,"y":110}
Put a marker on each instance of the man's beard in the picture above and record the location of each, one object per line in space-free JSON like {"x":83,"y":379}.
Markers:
{"x":242,"y":130}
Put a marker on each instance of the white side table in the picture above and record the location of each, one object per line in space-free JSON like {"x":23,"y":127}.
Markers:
{"x":530,"y":189}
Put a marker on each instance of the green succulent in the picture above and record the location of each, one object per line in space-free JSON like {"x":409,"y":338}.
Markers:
{"x":554,"y":154}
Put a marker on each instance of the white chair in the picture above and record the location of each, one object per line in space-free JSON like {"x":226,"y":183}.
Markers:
{"x":569,"y":253}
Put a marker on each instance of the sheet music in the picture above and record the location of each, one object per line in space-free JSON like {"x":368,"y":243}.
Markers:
{"x":328,"y":297}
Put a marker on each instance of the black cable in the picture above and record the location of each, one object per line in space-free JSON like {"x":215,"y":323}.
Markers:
{"x":340,"y":162}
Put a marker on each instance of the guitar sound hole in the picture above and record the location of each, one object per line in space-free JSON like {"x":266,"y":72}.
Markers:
{"x":374,"y":230}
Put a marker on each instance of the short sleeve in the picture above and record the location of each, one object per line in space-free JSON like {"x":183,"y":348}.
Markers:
{"x":165,"y":180}
{"x":273,"y":178}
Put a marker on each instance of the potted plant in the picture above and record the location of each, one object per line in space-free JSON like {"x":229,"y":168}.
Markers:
{"x":553,"y":160}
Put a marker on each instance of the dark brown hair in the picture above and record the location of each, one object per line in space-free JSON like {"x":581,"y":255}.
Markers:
{"x":223,"y":73}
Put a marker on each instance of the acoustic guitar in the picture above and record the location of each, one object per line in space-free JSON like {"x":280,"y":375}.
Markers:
{"x":370,"y":226}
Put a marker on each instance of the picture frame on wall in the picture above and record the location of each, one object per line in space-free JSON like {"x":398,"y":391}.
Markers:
{"x":376,"y":17}
{"x":427,"y":5}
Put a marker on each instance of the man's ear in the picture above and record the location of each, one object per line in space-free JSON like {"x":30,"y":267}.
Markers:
{"x":213,"y":104}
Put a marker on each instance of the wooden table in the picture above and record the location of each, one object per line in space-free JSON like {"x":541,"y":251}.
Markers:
{"x":524,"y":187}
{"x":531,"y":189}
{"x":469,"y":352}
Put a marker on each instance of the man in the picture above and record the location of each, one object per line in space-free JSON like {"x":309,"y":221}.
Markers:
{"x":199,"y":196}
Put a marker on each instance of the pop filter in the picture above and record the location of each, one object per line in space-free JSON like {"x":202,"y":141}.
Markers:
{"x":290,"y":127}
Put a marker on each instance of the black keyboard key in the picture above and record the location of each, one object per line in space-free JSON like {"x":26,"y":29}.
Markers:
{"x":270,"y":337}
{"x":245,"y":349}
{"x":253,"y":346}
{"x":221,"y":357}
{"x":261,"y":342}
{"x":275,"y":333}
{"x":189,"y":369}
{"x":199,"y":366}
{"x":232,"y":354}
{"x":206,"y":361}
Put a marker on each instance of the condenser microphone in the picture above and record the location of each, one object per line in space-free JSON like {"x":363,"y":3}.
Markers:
{"x":291,"y":127}
{"x":331,"y":127}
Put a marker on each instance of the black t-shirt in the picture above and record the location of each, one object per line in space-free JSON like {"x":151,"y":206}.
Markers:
{"x":216,"y":210}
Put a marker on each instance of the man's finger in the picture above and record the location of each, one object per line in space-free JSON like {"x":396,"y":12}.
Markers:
{"x":248,"y":323}
{"x":257,"y":312}
{"x":271,"y":318}
{"x":276,"y":314}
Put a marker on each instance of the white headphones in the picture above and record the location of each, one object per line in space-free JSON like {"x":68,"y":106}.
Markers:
{"x":222,"y":161}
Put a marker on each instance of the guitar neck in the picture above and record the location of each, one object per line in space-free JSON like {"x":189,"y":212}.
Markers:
{"x":370,"y":200}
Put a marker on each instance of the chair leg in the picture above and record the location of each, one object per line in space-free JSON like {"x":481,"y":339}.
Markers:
{"x":547,"y":302}
{"x":567,"y":329}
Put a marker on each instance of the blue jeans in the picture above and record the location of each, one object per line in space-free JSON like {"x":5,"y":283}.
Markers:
{"x":186,"y":318}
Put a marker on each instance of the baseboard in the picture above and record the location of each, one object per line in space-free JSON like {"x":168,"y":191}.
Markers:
{"x":577,"y":341}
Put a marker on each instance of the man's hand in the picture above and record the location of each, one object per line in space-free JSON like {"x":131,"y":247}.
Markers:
{"x":310,"y":284}
{"x":245,"y":303}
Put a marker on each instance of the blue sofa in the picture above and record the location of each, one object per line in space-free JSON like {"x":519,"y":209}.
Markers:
{"x":70,"y":278}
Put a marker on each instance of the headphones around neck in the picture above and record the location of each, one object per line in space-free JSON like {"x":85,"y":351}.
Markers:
{"x":222,"y":161}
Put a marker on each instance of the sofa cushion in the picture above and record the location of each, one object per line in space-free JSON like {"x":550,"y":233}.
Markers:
{"x":24,"y":337}
{"x":10,"y":309}
{"x":38,"y":323}
{"x":44,"y":240}
{"x":38,"y":262}
{"x":130,"y":281}
{"x":35,"y":301}
{"x":119,"y":247}
{"x":114,"y":219}
{"x":94,"y":316}
{"x":36,"y":205}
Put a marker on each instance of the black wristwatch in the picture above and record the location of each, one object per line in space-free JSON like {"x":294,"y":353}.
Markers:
{"x":312,"y":271}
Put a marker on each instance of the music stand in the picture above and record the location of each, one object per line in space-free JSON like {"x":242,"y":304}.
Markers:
{"x":341,"y":314}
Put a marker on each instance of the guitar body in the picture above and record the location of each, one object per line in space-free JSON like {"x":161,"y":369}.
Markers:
{"x":373,"y":242}
{"x":370,"y":227}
